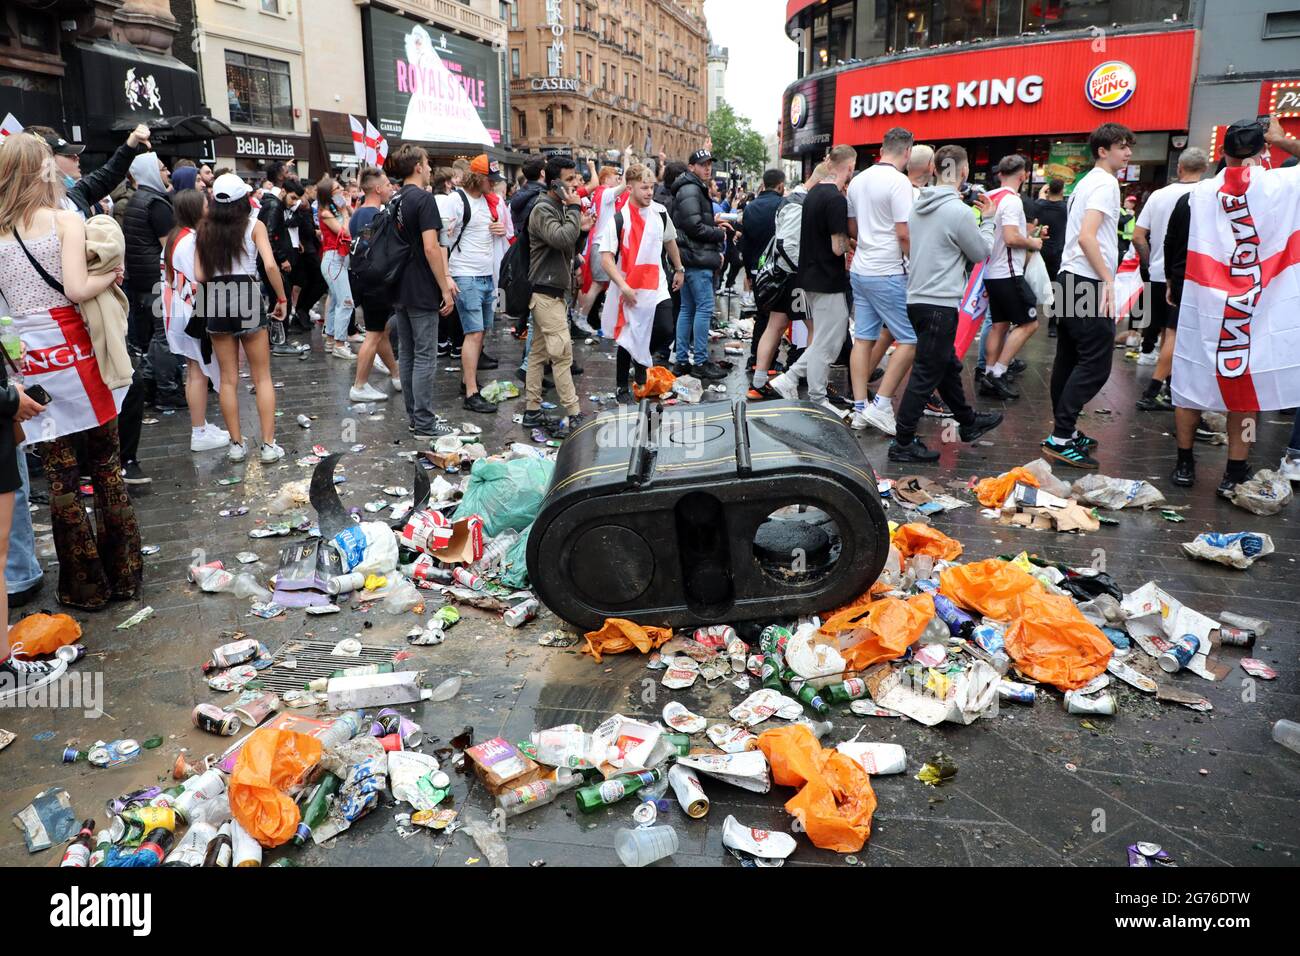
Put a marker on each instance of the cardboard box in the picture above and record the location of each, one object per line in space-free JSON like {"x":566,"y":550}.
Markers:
{"x":500,"y":764}
{"x":466,"y":544}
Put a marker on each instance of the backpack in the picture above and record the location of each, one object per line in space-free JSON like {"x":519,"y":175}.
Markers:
{"x":789,"y":223}
{"x":380,"y":264}
{"x":515,"y":265}
{"x":780,"y":260}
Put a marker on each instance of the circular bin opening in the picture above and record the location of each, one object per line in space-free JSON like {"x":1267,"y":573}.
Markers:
{"x":797,"y":544}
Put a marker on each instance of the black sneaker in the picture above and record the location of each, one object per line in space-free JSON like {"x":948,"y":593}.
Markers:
{"x":19,"y":598}
{"x":488,"y":362}
{"x":454,"y":353}
{"x":1227,"y":488}
{"x":623,"y":396}
{"x":710,"y":371}
{"x":984,"y":423}
{"x":575,"y":370}
{"x":1160,"y":402}
{"x":1086,"y":442}
{"x":477,"y":403}
{"x":569,"y":426}
{"x":915,"y":451}
{"x":1184,"y":475}
{"x":133,"y":475}
{"x":18,"y":677}
{"x":535,"y":418}
{"x":1017,"y":366}
{"x":765,"y":394}
{"x":442,"y":430}
{"x":936,"y":408}
{"x":681,"y":368}
{"x":1070,"y":454}
{"x":994,"y":387}
{"x":841,"y":401}
{"x":444,"y":349}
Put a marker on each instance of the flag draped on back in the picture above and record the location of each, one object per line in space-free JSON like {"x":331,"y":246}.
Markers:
{"x":640,"y":259}
{"x":606,"y":204}
{"x":1238,"y":345}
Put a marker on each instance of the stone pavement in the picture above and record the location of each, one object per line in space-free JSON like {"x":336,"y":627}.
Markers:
{"x":1034,"y":786}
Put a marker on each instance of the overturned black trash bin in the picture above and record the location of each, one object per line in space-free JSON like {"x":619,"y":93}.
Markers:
{"x":703,"y":514}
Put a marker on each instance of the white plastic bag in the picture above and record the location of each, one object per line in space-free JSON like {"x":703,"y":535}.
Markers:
{"x":1117,"y":493}
{"x":1039,"y":281}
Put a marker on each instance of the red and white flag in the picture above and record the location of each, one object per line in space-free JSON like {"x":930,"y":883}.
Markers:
{"x":640,"y":259}
{"x":1238,"y":345}
{"x":372,"y":143}
{"x":1128,"y":284}
{"x":606,"y":203}
{"x":10,"y":126}
{"x":381,"y":151}
{"x":358,"y":137}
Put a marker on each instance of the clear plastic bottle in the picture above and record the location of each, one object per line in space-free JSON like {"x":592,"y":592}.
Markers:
{"x":495,"y":552}
{"x":1287,"y":733}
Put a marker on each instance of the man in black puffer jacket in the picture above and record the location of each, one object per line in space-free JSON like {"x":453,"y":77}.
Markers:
{"x":699,"y":238}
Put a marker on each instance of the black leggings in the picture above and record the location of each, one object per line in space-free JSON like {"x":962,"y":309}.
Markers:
{"x":661,"y":335}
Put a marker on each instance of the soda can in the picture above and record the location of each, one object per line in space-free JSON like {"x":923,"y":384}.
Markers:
{"x":214,"y":720}
{"x":1078,"y":704}
{"x":645,"y":813}
{"x":345,"y":583}
{"x":1179,"y":654}
{"x":467,"y":578}
{"x":1236,"y":636}
{"x":521,"y":614}
{"x":258,"y":709}
{"x":71,"y":653}
{"x":1016,"y":692}
{"x":690,"y":794}
{"x":717,"y":635}
{"x":304,"y":421}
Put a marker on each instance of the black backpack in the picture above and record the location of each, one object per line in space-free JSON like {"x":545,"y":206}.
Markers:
{"x":515,"y":265}
{"x":380,"y":264}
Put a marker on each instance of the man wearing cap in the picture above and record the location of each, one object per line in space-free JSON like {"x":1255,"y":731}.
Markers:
{"x":700,"y":235}
{"x":85,"y":195}
{"x":472,"y":220}
{"x":1234,"y":352}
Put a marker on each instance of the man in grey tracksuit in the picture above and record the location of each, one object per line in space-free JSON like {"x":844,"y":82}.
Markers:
{"x":945,"y":239}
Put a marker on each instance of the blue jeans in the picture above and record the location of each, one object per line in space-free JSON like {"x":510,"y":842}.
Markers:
{"x":22,"y":569}
{"x":881,"y":301}
{"x":697,"y":313}
{"x":984,"y":339}
{"x":334,"y":268}
{"x":476,"y":303}
{"x":528,"y":344}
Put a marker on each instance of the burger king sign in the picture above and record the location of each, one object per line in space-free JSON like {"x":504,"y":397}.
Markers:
{"x":1110,"y":85}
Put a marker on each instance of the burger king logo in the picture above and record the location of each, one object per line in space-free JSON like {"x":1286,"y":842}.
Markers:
{"x":798,"y":110}
{"x":1110,"y":85}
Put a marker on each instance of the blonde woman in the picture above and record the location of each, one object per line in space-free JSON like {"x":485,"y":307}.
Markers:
{"x":43,"y":277}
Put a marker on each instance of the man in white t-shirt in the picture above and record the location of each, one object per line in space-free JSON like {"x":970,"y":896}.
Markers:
{"x":1013,"y":319}
{"x":1085,"y":335}
{"x":472,"y":220}
{"x":880,"y":200}
{"x":1149,"y":241}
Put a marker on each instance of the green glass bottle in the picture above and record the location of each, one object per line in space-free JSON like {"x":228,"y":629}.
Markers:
{"x":316,"y":808}
{"x":809,"y":696}
{"x":681,"y":742}
{"x":615,"y":789}
{"x":855,"y":688}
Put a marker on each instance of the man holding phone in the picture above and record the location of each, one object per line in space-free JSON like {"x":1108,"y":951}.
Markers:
{"x":554,"y":227}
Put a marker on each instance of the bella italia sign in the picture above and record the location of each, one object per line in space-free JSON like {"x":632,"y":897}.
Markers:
{"x":263,"y":146}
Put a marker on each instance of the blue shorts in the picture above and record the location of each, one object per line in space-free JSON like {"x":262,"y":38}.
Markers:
{"x":476,"y":304}
{"x":877,"y":301}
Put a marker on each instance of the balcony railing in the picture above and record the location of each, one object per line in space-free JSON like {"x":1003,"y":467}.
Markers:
{"x":452,"y":14}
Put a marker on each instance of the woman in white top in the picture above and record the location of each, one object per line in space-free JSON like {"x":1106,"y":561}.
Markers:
{"x":230,"y":241}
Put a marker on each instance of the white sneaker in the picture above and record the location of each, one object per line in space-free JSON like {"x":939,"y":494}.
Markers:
{"x":208,"y":439}
{"x":785,"y":386}
{"x":238,"y":451}
{"x":356,"y":339}
{"x":1148,"y":358}
{"x":876,"y":417}
{"x":215,"y":430}
{"x":397,"y":384}
{"x":1290,"y":468}
{"x":271,"y":453}
{"x":367,"y":393}
{"x":344,"y":352}
{"x":315,"y":314}
{"x":379,"y":366}
{"x":839,"y":413}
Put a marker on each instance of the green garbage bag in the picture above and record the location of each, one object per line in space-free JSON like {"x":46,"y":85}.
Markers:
{"x":514,"y":569}
{"x":506,"y":494}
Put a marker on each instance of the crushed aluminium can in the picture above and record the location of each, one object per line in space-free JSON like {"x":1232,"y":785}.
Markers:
{"x":1179,"y":654}
{"x":1104,"y":705}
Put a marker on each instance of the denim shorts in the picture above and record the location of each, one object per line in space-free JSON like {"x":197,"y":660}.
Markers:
{"x":476,"y":303}
{"x":877,"y":301}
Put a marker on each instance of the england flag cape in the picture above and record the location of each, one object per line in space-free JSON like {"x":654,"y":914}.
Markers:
{"x":1238,"y":344}
{"x":640,"y":258}
{"x":178,"y":306}
{"x":974,"y":304}
{"x":60,"y":357}
{"x":606,"y":201}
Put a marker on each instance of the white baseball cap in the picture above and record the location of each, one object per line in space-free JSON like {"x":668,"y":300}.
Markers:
{"x":229,"y":188}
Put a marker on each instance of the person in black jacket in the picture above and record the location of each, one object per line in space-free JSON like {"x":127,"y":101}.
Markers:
{"x":700,"y":235}
{"x":86,"y":194}
{"x":303,"y":250}
{"x":270,"y":213}
{"x":756,"y":231}
{"x":1050,"y":211}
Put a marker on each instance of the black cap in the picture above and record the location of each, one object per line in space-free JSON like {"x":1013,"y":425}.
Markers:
{"x":62,"y":147}
{"x":700,"y":157}
{"x":494,"y":172}
{"x":1244,"y":139}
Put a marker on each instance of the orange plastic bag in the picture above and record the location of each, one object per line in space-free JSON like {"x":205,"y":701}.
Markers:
{"x":892,"y":626}
{"x":269,"y":763}
{"x":658,"y":381}
{"x":914,"y":538}
{"x":41,"y":634}
{"x":835,"y":800}
{"x":992,"y":492}
{"x":619,"y":635}
{"x":1049,"y":638}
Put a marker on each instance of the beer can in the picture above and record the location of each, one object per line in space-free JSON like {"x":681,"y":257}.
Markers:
{"x":388,"y":721}
{"x":71,"y":653}
{"x":1236,"y":636}
{"x":258,"y":709}
{"x":1016,"y":692}
{"x":645,"y":813}
{"x":214,"y":720}
{"x":1179,"y":653}
{"x":521,"y":614}
{"x":345,"y":583}
{"x":426,"y":531}
{"x":1078,"y":704}
{"x":690,"y":794}
{"x":467,"y":578}
{"x":427,"y":568}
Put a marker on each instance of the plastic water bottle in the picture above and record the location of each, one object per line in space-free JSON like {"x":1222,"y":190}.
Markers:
{"x":1287,"y":733}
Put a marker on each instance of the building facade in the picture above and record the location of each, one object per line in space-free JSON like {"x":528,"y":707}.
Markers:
{"x":1035,"y":76}
{"x":602,"y":75}
{"x":718,"y":59}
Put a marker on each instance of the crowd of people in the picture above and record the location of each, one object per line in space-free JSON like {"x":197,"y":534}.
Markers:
{"x":141,"y":284}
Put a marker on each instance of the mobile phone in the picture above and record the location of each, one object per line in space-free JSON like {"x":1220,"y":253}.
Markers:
{"x":38,"y":395}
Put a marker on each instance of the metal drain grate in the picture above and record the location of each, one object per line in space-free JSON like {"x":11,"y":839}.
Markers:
{"x":314,"y":660}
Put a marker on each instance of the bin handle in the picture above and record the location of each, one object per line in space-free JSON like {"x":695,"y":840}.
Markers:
{"x":642,"y":447}
{"x":744,"y":464}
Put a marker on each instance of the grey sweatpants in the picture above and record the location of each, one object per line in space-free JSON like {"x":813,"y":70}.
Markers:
{"x":829,"y":312}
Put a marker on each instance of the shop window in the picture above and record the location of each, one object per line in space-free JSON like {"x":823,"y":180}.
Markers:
{"x":259,"y":91}
{"x":37,"y":32}
{"x":271,"y":6}
{"x":1284,"y":23}
{"x":553,"y":62}
{"x":514,"y":63}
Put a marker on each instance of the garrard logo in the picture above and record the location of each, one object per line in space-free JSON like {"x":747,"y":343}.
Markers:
{"x":142,"y":92}
{"x":798,"y":110}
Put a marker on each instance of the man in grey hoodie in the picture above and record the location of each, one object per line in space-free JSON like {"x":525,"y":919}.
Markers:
{"x":945,"y":239}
